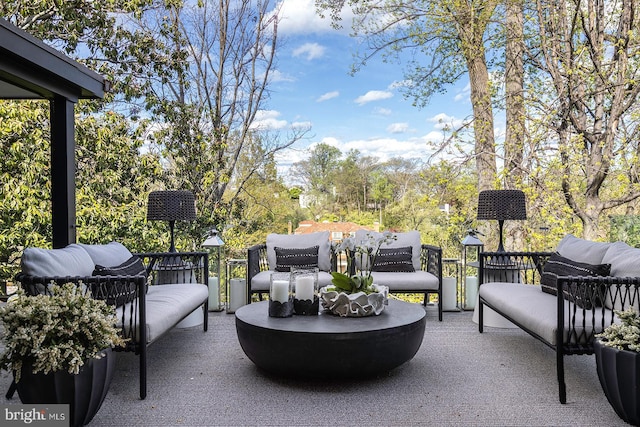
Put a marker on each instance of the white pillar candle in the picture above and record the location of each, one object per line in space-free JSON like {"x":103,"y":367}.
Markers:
{"x":280,"y":291}
{"x":448,"y":293}
{"x":214,"y":294}
{"x":237,"y":294}
{"x":471,"y":291}
{"x":304,"y":288}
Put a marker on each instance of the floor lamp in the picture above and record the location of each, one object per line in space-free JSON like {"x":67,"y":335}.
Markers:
{"x":502,"y":205}
{"x":171,"y":205}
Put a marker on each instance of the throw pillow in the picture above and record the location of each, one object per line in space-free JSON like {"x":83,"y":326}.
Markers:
{"x":118,"y":292}
{"x":558,"y":265}
{"x":394,"y":259}
{"x":288,"y":258}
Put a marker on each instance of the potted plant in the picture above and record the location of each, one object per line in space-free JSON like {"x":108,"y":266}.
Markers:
{"x":617,"y":351}
{"x":355,"y":295}
{"x":59,"y":348}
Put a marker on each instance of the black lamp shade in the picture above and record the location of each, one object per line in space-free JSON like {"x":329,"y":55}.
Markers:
{"x":502,"y":204}
{"x":171,"y":205}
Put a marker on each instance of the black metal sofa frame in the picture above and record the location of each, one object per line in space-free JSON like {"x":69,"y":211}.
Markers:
{"x":134,"y":313}
{"x":576,"y":324}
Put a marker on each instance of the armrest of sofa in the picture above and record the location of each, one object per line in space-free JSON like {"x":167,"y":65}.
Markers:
{"x":185,"y":267}
{"x":526,"y":267}
{"x":256,"y":261}
{"x":431,"y":260}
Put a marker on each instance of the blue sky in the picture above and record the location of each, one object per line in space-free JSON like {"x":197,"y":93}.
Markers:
{"x":366,"y":111}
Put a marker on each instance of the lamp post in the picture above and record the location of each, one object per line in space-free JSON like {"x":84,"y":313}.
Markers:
{"x":214,"y":243}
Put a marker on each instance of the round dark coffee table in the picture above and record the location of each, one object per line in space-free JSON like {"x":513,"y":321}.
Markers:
{"x":328,"y":346}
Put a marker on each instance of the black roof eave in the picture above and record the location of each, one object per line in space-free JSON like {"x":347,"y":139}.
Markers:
{"x":30,"y":64}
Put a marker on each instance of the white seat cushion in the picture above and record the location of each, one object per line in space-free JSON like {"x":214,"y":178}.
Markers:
{"x":402,"y":281}
{"x":166,"y":306}
{"x":535,"y":310}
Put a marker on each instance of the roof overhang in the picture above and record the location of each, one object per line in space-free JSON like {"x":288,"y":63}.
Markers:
{"x":29,"y":69}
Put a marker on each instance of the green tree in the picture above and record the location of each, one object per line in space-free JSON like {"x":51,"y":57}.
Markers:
{"x":206,"y":83}
{"x":448,"y":39}
{"x":590,"y":53}
{"x":318,"y":172}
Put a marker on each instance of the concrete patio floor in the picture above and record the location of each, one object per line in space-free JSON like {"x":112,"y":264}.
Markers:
{"x":503,"y":377}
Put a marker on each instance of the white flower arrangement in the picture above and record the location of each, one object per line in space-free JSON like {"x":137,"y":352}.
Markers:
{"x":624,"y":335}
{"x":56,"y":332}
{"x":361,"y":281}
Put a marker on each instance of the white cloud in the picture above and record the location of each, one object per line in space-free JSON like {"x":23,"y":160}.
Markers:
{"x":327,"y":96}
{"x":279,"y":76}
{"x":300,"y":17}
{"x":464,"y":94}
{"x":268,"y":120}
{"x":373,"y":95}
{"x":301,"y":125}
{"x":310,"y":50}
{"x":382,"y":111}
{"x":445,"y":121}
{"x":398,"y":127}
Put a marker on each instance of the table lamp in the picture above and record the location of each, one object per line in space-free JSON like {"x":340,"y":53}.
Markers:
{"x":502,"y":205}
{"x":171,"y":205}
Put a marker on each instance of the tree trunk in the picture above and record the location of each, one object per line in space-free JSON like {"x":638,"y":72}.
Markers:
{"x":514,"y":86}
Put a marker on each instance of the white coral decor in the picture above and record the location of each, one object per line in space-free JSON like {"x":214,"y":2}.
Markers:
{"x":357,"y":304}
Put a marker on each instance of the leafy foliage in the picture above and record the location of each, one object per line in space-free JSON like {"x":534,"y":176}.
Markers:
{"x":56,"y":332}
{"x":624,"y":335}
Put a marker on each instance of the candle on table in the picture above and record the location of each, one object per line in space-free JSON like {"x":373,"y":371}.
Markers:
{"x":304,"y":288}
{"x":280,"y":291}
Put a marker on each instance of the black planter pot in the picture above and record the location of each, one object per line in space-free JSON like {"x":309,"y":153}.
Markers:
{"x":619,"y":374}
{"x":84,"y":392}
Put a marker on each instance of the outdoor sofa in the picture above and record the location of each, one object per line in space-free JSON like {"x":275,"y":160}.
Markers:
{"x":278,"y":254}
{"x":562,"y":298}
{"x":405,"y":265}
{"x":157,"y":290}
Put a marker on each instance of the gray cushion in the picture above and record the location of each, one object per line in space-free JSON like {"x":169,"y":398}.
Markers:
{"x":321,"y":239}
{"x":410,"y":238}
{"x":394,"y":260}
{"x":624,"y":260}
{"x":558,"y":265}
{"x":537,"y":311}
{"x":109,"y":255}
{"x":287,"y":258}
{"x":260,"y":282}
{"x":166,"y":306}
{"x":410,"y":282}
{"x":72,"y":260}
{"x":582,"y":250}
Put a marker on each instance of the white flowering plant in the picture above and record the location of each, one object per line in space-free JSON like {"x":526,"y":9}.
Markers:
{"x":367,"y":251}
{"x":624,"y":335}
{"x":56,"y":332}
